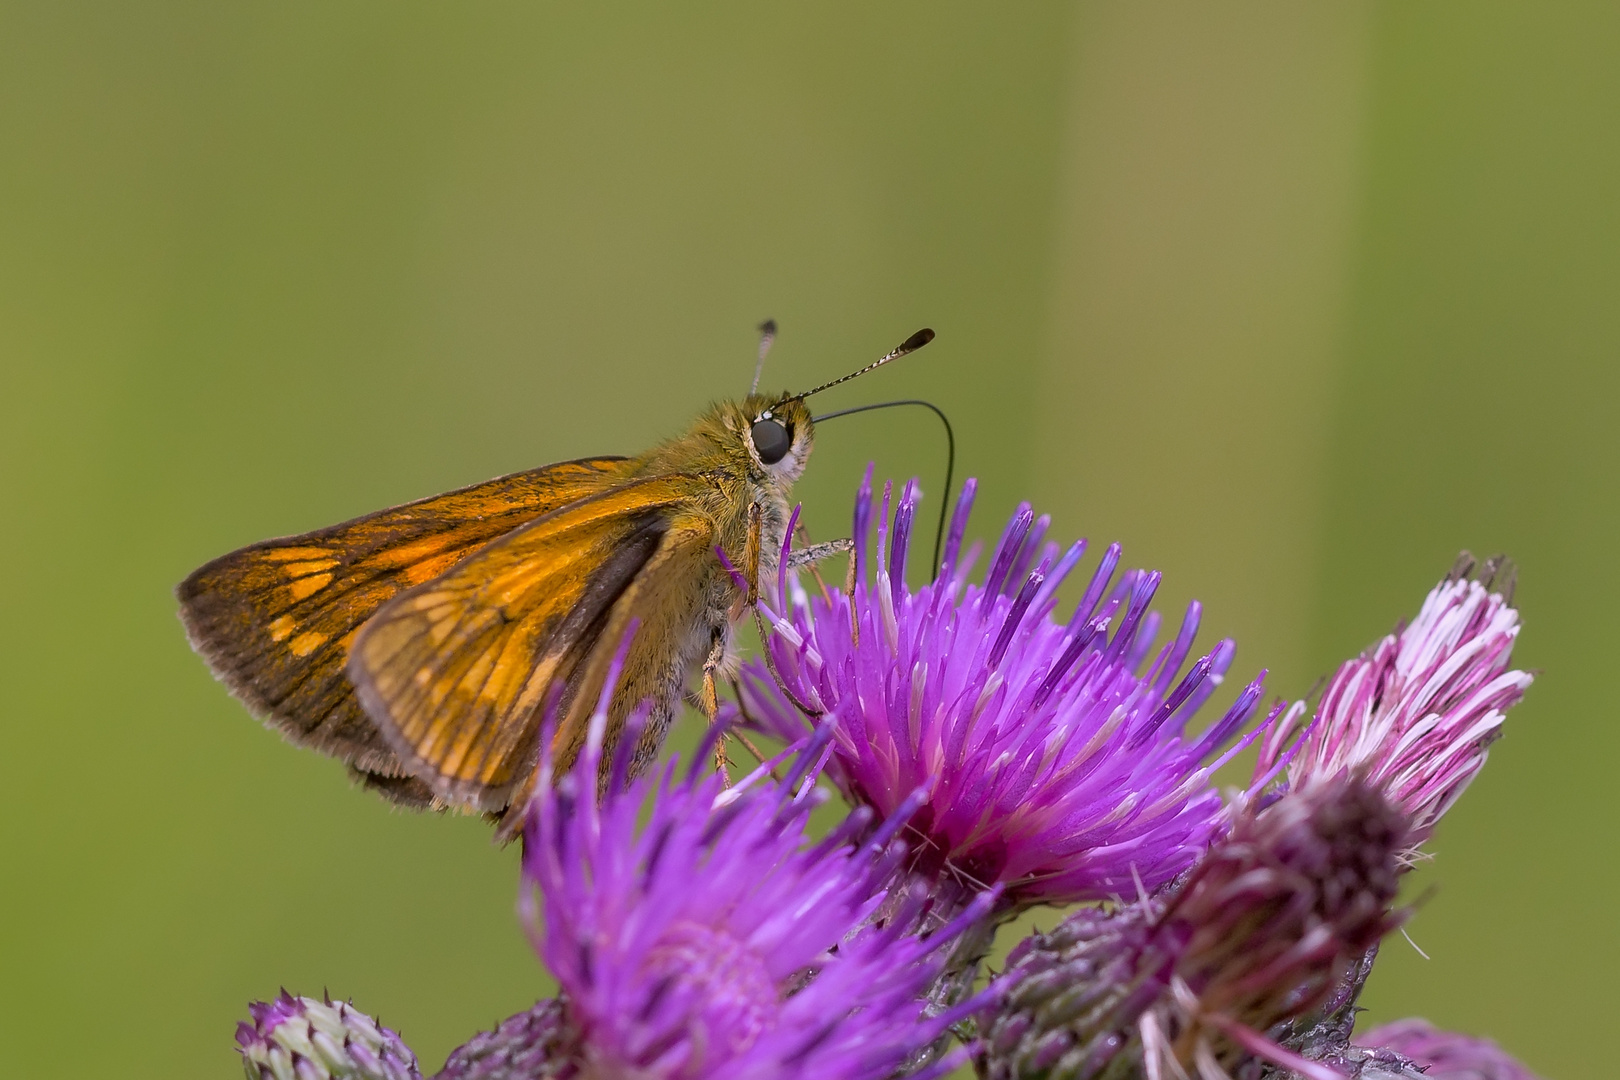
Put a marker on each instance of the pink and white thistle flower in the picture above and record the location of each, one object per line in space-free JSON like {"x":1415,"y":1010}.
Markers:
{"x":1415,"y":713}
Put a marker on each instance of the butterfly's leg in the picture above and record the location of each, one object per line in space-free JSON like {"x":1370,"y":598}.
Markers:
{"x":776,"y":676}
{"x":809,"y":556}
{"x":696,"y":702}
{"x":854,"y":616}
{"x":815,"y":571}
{"x":709,"y":698}
{"x":751,"y":553}
{"x":751,"y":571}
{"x":742,"y":709}
{"x":709,"y":701}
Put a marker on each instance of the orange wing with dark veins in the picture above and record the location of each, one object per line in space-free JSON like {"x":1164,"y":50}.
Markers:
{"x":276,"y":620}
{"x":454,"y":672}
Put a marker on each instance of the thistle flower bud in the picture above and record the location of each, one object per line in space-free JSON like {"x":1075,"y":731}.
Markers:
{"x":300,"y":1038}
{"x":1263,"y":930}
{"x":536,"y":1044}
{"x":1416,"y":712}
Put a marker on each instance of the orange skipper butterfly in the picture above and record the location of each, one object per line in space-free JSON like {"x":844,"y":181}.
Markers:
{"x":419,"y":644}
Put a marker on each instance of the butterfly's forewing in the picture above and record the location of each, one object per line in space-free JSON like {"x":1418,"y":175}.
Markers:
{"x":454,"y":671}
{"x":276,"y":620}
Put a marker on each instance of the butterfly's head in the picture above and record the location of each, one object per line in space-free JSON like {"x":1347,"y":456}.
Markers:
{"x":765,"y":436}
{"x":779,"y":430}
{"x":777,"y":434}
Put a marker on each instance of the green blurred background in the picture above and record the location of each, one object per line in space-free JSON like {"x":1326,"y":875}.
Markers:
{"x":1295,"y":300}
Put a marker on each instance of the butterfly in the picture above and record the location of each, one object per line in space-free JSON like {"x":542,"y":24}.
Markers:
{"x":423,"y":645}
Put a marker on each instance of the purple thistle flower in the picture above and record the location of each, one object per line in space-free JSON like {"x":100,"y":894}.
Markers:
{"x":305,"y":1039}
{"x":1054,"y":756}
{"x":1445,"y":1055}
{"x":713,"y":940}
{"x":1262,"y":931}
{"x":1415,"y":713}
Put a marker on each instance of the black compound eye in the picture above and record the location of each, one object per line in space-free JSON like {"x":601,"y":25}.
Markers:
{"x":771,"y":440}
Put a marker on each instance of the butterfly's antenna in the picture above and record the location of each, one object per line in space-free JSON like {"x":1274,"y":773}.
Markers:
{"x":910,"y":345}
{"x":767,"y":335}
{"x":950,"y":456}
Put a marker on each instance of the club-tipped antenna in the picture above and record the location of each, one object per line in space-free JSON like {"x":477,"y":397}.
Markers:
{"x":767,"y":336}
{"x":950,"y":457}
{"x":910,"y":345}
